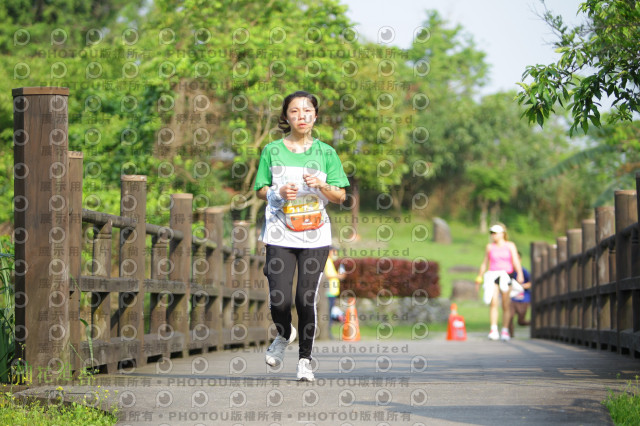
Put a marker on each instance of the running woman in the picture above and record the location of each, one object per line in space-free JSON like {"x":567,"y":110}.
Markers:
{"x":297,"y":176}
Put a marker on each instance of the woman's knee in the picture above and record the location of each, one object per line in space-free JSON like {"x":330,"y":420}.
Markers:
{"x":278,"y":301}
{"x":306,"y":299}
{"x":495,"y":300}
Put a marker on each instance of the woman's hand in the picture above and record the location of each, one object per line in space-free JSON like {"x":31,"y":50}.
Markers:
{"x":312,"y":181}
{"x":289,"y":191}
{"x":333,"y":193}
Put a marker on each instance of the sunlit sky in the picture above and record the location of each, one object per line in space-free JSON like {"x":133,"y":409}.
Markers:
{"x":508,"y":31}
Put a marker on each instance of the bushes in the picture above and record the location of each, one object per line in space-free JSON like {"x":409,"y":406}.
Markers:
{"x":367,"y":276}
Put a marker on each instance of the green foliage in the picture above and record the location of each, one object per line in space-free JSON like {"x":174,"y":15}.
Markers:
{"x":456,"y":68}
{"x":491,"y":183}
{"x":189,"y":93}
{"x":624,"y":406}
{"x":604,"y":49}
{"x":15,"y":412}
{"x":7,"y":307}
{"x":609,"y":160}
{"x":73,"y":22}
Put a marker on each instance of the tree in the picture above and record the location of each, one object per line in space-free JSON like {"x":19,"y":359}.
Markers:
{"x":246,"y":57}
{"x":599,"y":57}
{"x":507,"y":158}
{"x":609,"y":161}
{"x":492,"y":185}
{"x":447,"y":68}
{"x":54,"y":44}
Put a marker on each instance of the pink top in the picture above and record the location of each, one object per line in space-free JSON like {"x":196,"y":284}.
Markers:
{"x":500,"y":258}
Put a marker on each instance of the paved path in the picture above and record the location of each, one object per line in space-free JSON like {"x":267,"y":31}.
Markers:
{"x":433,"y":381}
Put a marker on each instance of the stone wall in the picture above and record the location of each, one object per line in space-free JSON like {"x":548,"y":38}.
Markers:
{"x":400,"y":310}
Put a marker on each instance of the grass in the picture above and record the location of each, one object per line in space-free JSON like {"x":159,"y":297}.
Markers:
{"x":624,"y":406}
{"x":7,"y":309}
{"x":14,"y":412}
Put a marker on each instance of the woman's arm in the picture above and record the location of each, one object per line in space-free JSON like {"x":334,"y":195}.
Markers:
{"x":515,"y":258}
{"x":483,"y":265}
{"x":285,"y":192}
{"x":262,"y":193}
{"x":333,"y":193}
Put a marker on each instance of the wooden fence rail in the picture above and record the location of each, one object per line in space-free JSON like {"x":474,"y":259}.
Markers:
{"x":181,"y":294}
{"x":586,"y":287}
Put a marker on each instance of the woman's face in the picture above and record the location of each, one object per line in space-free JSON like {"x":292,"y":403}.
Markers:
{"x":497,"y":236}
{"x":301,"y":114}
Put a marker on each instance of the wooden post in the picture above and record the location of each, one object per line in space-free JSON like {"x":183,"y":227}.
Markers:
{"x":635,"y":270}
{"x":75,"y":254}
{"x":588,"y":242}
{"x":214,"y":223}
{"x":181,"y":216}
{"x":199,"y":297}
{"x":100,"y":320}
{"x":543,"y":254}
{"x":227,"y":301}
{"x":240,"y":281}
{"x":552,"y":280}
{"x":537,"y":286}
{"x":574,"y":246}
{"x":552,"y":260}
{"x":626,"y":214}
{"x":561,"y":282}
{"x":41,"y":216}
{"x":537,"y":292}
{"x":605,"y":227}
{"x":158,"y":302}
{"x":587,"y":272}
{"x":133,"y":204}
{"x":214,"y":282}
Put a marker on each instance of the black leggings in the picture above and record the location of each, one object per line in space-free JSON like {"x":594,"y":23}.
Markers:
{"x":279,"y":268}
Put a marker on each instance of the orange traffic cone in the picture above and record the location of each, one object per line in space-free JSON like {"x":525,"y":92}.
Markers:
{"x":351,"y":327}
{"x":456,"y":329}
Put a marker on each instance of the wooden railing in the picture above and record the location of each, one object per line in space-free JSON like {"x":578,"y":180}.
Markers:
{"x":180,"y":294}
{"x":586,"y":287}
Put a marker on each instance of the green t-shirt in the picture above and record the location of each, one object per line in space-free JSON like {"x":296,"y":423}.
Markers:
{"x":279,"y":166}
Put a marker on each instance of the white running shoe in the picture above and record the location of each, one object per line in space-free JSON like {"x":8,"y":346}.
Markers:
{"x":275,"y":353}
{"x":494,"y":335}
{"x":305,"y":374}
{"x":504,"y":335}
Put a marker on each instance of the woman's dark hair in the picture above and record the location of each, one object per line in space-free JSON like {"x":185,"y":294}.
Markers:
{"x":282,"y":121}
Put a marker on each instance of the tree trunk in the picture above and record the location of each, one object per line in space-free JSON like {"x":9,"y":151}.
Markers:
{"x":484,"y":208}
{"x":495,"y":212}
{"x":397,"y":195}
{"x":254,"y":206}
{"x":355,"y":206}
